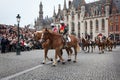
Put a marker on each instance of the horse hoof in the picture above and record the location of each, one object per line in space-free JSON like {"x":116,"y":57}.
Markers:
{"x":51,"y":59}
{"x":58,"y":61}
{"x":74,"y":61}
{"x":43,"y":63}
{"x":53,"y":65}
{"x":63,"y":62}
{"x":69,"y":60}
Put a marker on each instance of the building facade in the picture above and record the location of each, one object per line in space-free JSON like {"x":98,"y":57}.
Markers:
{"x":114,"y":22}
{"x":114,"y":26}
{"x":86,"y":18}
{"x":40,"y":22}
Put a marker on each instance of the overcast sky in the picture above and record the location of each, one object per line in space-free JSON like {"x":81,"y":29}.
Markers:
{"x":28,"y":10}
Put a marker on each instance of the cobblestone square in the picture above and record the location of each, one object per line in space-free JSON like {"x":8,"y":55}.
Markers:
{"x":90,"y":66}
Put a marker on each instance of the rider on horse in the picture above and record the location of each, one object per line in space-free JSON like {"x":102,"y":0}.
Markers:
{"x":64,"y":32}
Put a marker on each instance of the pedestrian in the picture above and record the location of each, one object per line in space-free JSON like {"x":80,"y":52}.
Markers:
{"x":3,"y":44}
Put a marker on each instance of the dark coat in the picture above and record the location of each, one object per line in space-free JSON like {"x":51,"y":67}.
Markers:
{"x":3,"y":45}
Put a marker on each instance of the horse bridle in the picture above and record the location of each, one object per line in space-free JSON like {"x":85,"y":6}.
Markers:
{"x":42,"y":40}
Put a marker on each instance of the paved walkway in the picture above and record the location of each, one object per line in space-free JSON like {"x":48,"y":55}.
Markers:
{"x":90,"y":66}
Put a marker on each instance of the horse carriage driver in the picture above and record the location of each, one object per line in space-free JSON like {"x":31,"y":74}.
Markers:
{"x":64,"y":31}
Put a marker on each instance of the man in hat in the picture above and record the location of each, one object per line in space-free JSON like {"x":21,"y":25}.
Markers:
{"x":54,"y":28}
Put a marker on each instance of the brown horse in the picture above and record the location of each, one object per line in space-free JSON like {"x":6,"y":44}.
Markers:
{"x":100,"y":44}
{"x":110,"y":44}
{"x":57,"y":42}
{"x":46,"y":45}
{"x":85,"y":45}
{"x":88,"y":44}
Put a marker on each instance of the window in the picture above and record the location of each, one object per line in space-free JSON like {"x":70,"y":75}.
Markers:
{"x":116,"y":19}
{"x":72,"y":15}
{"x":73,"y":27}
{"x":103,"y":24}
{"x":78,"y":29}
{"x":96,"y":25}
{"x":91,"y":25}
{"x":111,"y":28}
{"x":85,"y":27}
{"x":78,"y":15}
{"x":91,"y":35}
{"x":67,"y":17}
{"x":78,"y":26}
{"x":117,"y":27}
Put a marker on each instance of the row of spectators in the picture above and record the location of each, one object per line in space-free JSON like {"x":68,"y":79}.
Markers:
{"x":9,"y":38}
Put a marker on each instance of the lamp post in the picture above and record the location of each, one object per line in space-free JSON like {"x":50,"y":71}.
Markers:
{"x":18,"y":42}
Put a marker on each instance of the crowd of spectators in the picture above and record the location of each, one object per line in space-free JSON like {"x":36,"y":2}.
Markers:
{"x":9,"y":38}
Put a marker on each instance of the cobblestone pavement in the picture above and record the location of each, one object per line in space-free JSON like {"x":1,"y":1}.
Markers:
{"x":90,"y":66}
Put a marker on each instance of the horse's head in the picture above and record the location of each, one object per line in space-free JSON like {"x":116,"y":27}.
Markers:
{"x":109,"y":40}
{"x":37,"y":35}
{"x":83,"y":40}
{"x":45,"y":35}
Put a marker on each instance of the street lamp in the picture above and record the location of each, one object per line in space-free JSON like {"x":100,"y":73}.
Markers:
{"x":18,"y":42}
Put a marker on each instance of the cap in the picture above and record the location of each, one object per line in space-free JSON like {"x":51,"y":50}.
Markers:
{"x":61,"y":21}
{"x":52,"y":24}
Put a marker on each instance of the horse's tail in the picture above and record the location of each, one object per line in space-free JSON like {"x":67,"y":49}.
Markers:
{"x":78,"y":48}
